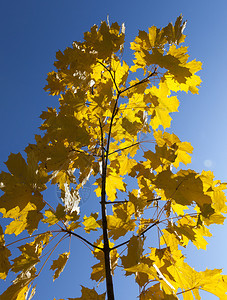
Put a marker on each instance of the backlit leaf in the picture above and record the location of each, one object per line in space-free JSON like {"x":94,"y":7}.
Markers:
{"x":90,"y":294}
{"x":4,"y":254}
{"x":90,"y":223}
{"x":58,"y":265}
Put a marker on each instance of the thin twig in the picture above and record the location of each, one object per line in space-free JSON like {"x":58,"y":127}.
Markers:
{"x":142,"y":233}
{"x":141,"y":81}
{"x":126,"y":201}
{"x":28,"y":237}
{"x":124,"y":148}
{"x":116,"y":202}
{"x":48,"y":245}
{"x":110,"y":75}
{"x":70,"y":242}
{"x":155,"y":199}
{"x":51,"y":253}
{"x":81,"y":238}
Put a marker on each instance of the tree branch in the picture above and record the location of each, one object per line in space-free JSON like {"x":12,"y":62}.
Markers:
{"x":126,"y":201}
{"x":142,"y":233}
{"x":141,"y":81}
{"x":124,"y":148}
{"x":116,"y":202}
{"x":81,"y":238}
{"x":110,"y":75}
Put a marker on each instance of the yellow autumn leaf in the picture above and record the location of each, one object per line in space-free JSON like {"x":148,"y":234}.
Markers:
{"x":154,"y":292}
{"x":30,"y":253}
{"x":51,"y":218}
{"x":90,"y":223}
{"x":191,"y":281}
{"x":18,"y":290}
{"x":4,"y":254}
{"x":58,"y":265}
{"x":135,"y":250}
{"x":142,"y":268}
{"x":28,"y":218}
{"x":161,"y":106}
{"x":114,"y":182}
{"x":121,"y":221}
{"x":120,"y":71}
{"x":24,"y":263}
{"x":126,"y":164}
{"x":90,"y":294}
{"x":182,"y":149}
{"x":184,"y":187}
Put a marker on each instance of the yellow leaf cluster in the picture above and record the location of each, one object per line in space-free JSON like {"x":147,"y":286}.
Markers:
{"x":108,"y":129}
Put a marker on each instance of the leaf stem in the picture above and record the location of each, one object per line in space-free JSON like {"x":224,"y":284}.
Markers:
{"x":51,"y":253}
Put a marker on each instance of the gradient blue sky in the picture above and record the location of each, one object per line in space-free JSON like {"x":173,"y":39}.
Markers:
{"x":31,"y":33}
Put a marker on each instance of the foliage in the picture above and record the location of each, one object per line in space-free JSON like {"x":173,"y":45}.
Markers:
{"x":104,"y":115}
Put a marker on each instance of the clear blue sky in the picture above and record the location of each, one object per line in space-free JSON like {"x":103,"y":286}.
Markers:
{"x":31,"y":33}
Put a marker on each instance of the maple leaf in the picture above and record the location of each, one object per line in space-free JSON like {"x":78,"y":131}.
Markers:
{"x":90,"y":223}
{"x":30,"y":253}
{"x":69,"y":218}
{"x":58,"y":265}
{"x":5,"y":253}
{"x":135,"y":249}
{"x":20,"y":287}
{"x":113,"y":182}
{"x":153,"y":292}
{"x":176,"y":185}
{"x":105,"y":40}
{"x":89,"y":294}
{"x":181,"y":149}
{"x":120,"y":71}
{"x":55,"y":84}
{"x":121,"y":221}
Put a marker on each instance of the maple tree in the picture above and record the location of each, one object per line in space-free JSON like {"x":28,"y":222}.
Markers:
{"x":101,"y":128}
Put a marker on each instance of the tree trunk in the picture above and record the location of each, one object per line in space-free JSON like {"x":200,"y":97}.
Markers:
{"x":109,"y":281}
